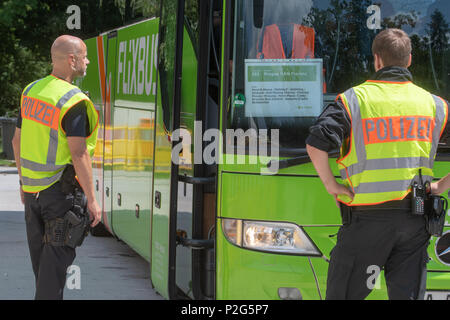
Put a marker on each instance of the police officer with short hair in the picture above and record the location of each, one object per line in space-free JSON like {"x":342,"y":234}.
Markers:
{"x":57,"y":128}
{"x":388,"y":131}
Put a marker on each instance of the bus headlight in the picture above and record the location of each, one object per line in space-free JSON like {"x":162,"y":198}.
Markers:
{"x":276,"y":237}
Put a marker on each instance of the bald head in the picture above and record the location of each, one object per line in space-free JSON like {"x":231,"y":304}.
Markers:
{"x":65,"y":45}
{"x":69,"y":57}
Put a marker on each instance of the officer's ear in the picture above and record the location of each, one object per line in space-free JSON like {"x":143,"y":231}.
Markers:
{"x":71,"y":59}
{"x":378,"y":62}
{"x":410,"y":60}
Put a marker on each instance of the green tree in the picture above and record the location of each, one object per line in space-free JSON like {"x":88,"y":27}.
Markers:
{"x":28,"y":29}
{"x":133,"y":9}
{"x":439,"y":51}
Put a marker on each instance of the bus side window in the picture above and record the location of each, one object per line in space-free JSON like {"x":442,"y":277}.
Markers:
{"x":166,"y":59}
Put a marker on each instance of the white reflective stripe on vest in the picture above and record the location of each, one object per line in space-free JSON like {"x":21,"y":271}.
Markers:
{"x":357,"y":128}
{"x":30,"y":86}
{"x":388,"y":186}
{"x":440,"y":119}
{"x":380,"y":164}
{"x":42,"y":182}
{"x":39,"y":167}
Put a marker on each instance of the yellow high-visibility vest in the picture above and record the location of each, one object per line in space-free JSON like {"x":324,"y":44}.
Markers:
{"x":44,"y":151}
{"x":396,"y":127}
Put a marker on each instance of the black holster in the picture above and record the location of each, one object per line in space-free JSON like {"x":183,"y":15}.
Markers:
{"x":74,"y":227}
{"x":69,"y":183}
{"x":435,"y":210}
{"x":346,"y":214}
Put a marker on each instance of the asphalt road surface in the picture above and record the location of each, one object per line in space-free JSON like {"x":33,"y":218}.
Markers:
{"x":104,"y":269}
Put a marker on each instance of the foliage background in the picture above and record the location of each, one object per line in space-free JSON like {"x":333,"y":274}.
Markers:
{"x":29,"y":27}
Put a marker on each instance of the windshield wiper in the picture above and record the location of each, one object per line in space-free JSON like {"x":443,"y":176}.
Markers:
{"x":295,"y":161}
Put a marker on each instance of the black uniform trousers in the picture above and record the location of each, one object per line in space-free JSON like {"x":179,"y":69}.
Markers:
{"x":391,"y":240}
{"x":49,"y":262}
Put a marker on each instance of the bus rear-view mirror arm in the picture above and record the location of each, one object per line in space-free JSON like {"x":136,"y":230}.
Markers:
{"x":295,"y":161}
{"x":193,"y":243}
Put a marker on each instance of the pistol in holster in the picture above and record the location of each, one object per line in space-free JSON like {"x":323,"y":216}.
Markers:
{"x":435,"y":210}
{"x":74,"y":227}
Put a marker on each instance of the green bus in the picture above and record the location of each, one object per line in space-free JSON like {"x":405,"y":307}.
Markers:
{"x":201,"y":165}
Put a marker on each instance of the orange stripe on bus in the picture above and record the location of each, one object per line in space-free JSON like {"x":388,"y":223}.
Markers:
{"x":101,"y":64}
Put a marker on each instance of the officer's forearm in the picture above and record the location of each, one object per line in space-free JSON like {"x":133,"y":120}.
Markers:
{"x":16,"y":148}
{"x":444,"y":184}
{"x":83,"y":165}
{"x":319,"y":159}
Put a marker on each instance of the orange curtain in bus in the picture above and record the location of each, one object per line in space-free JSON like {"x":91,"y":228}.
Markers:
{"x":302,"y":43}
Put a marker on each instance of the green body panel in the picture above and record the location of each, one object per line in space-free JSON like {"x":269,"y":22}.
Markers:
{"x":160,"y":219}
{"x":301,"y":200}
{"x":123,"y":164}
{"x":110,"y":49}
{"x":245,"y":274}
{"x":91,"y":82}
{"x":133,"y":119}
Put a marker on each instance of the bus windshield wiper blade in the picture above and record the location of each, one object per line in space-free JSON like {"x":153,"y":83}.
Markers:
{"x":295,"y":161}
{"x":286,"y":163}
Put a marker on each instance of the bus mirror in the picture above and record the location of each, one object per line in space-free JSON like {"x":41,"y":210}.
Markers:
{"x":258,"y":13}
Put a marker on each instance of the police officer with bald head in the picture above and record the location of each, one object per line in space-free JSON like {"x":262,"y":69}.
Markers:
{"x":56,"y":129}
{"x":387,"y":130}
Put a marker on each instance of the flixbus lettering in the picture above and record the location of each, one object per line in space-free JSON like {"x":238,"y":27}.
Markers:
{"x":137,"y":61}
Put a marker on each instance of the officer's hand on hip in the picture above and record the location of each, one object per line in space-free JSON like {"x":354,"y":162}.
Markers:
{"x":440,"y":186}
{"x":95,"y":212}
{"x":335,"y":189}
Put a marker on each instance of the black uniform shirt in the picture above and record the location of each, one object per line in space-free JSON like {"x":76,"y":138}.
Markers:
{"x":334,"y":125}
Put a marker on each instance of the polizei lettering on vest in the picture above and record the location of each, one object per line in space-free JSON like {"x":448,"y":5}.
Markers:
{"x":137,"y":60}
{"x":41,"y":112}
{"x":395,"y":129}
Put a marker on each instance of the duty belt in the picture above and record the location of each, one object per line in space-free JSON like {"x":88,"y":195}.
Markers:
{"x":404,"y":205}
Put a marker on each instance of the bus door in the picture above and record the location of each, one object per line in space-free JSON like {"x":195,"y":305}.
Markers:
{"x":179,"y":244}
{"x":107,"y":87}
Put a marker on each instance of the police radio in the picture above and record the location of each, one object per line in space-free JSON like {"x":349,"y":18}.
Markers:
{"x":418,"y":198}
{"x":432,"y":207}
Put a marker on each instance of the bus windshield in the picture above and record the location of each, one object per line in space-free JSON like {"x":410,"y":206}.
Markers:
{"x":291,"y":58}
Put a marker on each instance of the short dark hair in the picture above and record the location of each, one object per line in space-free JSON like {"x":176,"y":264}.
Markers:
{"x":393,"y":46}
